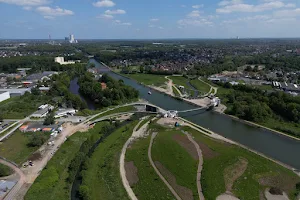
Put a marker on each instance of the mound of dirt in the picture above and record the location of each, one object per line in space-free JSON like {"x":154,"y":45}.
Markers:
{"x":183,"y":192}
{"x":233,"y":172}
{"x":131,"y":173}
{"x":183,"y":141}
{"x":35,"y":156}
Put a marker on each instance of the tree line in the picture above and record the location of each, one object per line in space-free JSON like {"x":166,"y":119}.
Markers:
{"x":116,"y":92}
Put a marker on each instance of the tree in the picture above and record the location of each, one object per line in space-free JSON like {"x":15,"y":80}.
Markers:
{"x":37,"y":140}
{"x":35,"y":91}
{"x":49,"y":119}
{"x":84,"y":192}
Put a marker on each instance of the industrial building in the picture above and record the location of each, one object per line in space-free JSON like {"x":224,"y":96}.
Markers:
{"x":64,"y":112}
{"x":42,"y":111}
{"x":15,"y":91}
{"x":61,"y":61}
{"x":4,"y":95}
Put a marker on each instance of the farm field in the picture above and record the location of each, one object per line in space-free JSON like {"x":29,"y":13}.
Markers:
{"x":101,"y":177}
{"x":148,"y":79}
{"x":16,"y":148}
{"x":144,"y":181}
{"x":53,"y":180}
{"x":256,"y":172}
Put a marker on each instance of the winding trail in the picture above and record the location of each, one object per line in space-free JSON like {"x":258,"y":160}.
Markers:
{"x":200,"y":165}
{"x":20,"y":182}
{"x":157,"y":171}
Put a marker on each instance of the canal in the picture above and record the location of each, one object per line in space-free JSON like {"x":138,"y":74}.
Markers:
{"x":278,"y":147}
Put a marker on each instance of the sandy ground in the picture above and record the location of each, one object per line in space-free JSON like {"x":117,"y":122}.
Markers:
{"x":226,"y":197}
{"x":131,"y":173}
{"x":233,"y":172}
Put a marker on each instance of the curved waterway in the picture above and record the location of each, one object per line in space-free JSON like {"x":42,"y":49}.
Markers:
{"x":278,"y":147}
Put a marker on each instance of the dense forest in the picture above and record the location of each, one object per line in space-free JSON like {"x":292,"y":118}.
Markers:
{"x":261,"y":106}
{"x":115,"y":93}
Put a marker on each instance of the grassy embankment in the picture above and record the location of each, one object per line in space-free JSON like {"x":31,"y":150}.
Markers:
{"x":182,"y":81}
{"x":114,"y":111}
{"x":7,"y":130}
{"x":149,"y":185}
{"x":202,"y":87}
{"x":52,"y":182}
{"x":260,"y":173}
{"x":175,"y":159}
{"x":16,"y":148}
{"x":101,"y":178}
{"x":148,"y":79}
{"x":5,"y":171}
{"x":21,"y":107}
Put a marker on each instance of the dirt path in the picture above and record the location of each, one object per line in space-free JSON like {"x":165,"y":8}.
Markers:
{"x":20,"y":182}
{"x":157,"y":171}
{"x":31,"y":173}
{"x":200,"y":166}
{"x":135,"y":134}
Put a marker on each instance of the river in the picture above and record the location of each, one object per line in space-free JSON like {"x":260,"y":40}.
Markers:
{"x":278,"y":147}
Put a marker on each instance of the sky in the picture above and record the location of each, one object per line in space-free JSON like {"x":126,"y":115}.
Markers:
{"x":149,"y":19}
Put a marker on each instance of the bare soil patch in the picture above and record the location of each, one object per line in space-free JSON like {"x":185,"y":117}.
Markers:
{"x":233,"y":172}
{"x":183,"y":192}
{"x":183,"y":141}
{"x":131,"y":173}
{"x":206,"y":151}
{"x":284,"y":183}
{"x":35,"y":156}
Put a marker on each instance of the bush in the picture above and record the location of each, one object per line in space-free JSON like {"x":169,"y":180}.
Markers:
{"x":37,"y":140}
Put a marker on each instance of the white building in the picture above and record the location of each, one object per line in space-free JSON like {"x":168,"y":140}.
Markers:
{"x":4,"y":96}
{"x":72,"y":39}
{"x":64,"y":112}
{"x":61,"y":61}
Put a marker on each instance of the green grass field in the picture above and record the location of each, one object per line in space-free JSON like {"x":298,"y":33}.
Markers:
{"x":175,"y":158}
{"x":9,"y":129}
{"x":52,"y":182}
{"x":102,"y":176}
{"x":149,"y":186}
{"x":148,"y":79}
{"x":200,"y":85}
{"x":21,"y":107}
{"x":180,"y":80}
{"x":15,"y":147}
{"x":247,"y":186}
{"x":5,"y":171}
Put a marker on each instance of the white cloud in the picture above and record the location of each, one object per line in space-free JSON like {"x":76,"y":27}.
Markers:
{"x":194,"y":14}
{"x":48,"y":17}
{"x":197,"y":6}
{"x":160,"y":27}
{"x":117,"y":21}
{"x":105,"y":16}
{"x":152,"y":26}
{"x":195,"y":22}
{"x":154,"y":20}
{"x":104,"y":3}
{"x":115,"y":12}
{"x":287,"y":13}
{"x":26,"y":2}
{"x":239,"y":6}
{"x":126,"y":24}
{"x":27,"y":7}
{"x":183,"y":6}
{"x":47,"y":11}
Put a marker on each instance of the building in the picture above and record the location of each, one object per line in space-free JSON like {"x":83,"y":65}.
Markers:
{"x":72,"y":39}
{"x":103,"y":86}
{"x":61,"y":61}
{"x":42,"y":111}
{"x":15,"y":91}
{"x":64,"y":112}
{"x":4,"y":95}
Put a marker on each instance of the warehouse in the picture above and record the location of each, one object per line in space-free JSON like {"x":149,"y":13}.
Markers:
{"x":4,"y":96}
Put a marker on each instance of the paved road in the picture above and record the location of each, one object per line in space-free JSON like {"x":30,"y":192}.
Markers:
{"x":200,"y":165}
{"x":157,"y":171}
{"x":20,"y":182}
